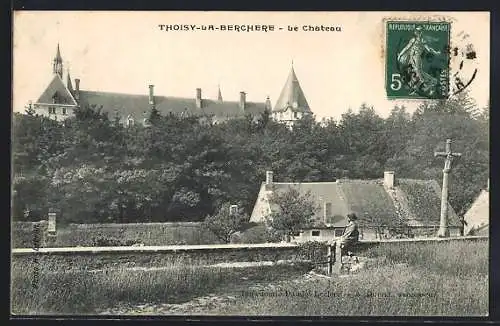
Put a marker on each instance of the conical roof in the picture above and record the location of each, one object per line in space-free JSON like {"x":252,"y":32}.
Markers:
{"x":292,"y":96}
{"x":69,"y":85}
{"x":219,"y":95}
{"x":58,"y":57}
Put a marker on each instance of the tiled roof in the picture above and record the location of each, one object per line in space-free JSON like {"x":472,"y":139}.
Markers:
{"x":138,"y":105}
{"x":370,"y":198}
{"x":292,"y":96}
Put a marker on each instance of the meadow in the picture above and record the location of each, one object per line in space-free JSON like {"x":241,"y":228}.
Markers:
{"x":403,"y":279}
{"x":48,"y":290}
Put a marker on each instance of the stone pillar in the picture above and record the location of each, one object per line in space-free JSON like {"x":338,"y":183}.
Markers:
{"x":443,"y":221}
{"x":51,"y":228}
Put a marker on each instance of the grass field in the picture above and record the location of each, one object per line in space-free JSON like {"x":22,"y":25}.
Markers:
{"x":432,"y":279}
{"x":82,"y":292}
{"x":405,"y":279}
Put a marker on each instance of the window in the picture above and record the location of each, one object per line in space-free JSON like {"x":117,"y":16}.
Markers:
{"x":64,"y":111}
{"x":52,"y":110}
{"x":315,"y":233}
{"x":295,"y":115}
{"x":338,"y":232}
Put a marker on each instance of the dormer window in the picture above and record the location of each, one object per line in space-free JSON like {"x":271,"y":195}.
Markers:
{"x":130,"y":121}
{"x":338,"y":232}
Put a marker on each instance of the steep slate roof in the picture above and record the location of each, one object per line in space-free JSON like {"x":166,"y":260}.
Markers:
{"x":290,"y":94}
{"x":136,"y":105}
{"x":57,"y":86}
{"x":370,"y":198}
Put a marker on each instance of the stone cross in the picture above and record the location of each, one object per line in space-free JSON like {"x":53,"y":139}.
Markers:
{"x":448,"y":158}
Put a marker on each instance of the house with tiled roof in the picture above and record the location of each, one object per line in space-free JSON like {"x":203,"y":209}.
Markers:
{"x":380,"y":204}
{"x":60,"y":98}
{"x":477,"y":217}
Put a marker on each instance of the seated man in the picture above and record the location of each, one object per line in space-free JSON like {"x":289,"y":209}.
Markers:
{"x":350,"y":236}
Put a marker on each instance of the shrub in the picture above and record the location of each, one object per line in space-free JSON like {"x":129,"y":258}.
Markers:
{"x":256,"y":234}
{"x":102,"y":241}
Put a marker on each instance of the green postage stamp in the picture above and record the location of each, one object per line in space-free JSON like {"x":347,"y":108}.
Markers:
{"x":417,"y":59}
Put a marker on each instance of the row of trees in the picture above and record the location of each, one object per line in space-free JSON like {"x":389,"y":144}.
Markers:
{"x":94,"y":169}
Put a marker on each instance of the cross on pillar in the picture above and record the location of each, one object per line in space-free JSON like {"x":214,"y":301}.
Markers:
{"x":448,"y":158}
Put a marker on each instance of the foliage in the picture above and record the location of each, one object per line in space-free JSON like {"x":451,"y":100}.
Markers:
{"x":225,"y":223}
{"x":183,"y":168}
{"x":255,"y":234}
{"x":291,"y":212}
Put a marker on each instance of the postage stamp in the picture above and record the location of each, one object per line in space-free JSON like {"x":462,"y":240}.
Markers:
{"x":417,"y":59}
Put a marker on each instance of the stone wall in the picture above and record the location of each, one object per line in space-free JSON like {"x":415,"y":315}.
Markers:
{"x":56,"y":259}
{"x":146,"y":257}
{"x":114,"y":234}
{"x":29,"y":234}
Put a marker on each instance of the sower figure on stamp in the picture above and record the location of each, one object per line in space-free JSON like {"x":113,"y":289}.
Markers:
{"x":350,"y":236}
{"x":411,"y":57}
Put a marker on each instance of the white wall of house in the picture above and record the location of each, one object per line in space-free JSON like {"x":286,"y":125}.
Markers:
{"x":287,"y":116}
{"x":54,"y":111}
{"x":318,"y":235}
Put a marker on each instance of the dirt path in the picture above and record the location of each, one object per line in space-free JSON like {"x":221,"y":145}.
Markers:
{"x":204,"y":304}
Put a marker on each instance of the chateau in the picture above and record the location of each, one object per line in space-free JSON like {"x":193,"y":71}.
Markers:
{"x":60,"y":98}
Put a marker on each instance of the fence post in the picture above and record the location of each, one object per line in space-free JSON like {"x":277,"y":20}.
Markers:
{"x":338,"y":258}
{"x":330,"y":259}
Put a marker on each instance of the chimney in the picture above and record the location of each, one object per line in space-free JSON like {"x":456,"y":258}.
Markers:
{"x":269,"y":178}
{"x":198,"y":98}
{"x":151,"y":95}
{"x":268,"y":103}
{"x":77,"y":89}
{"x":242,"y":100}
{"x":233,"y":209}
{"x":389,"y":179}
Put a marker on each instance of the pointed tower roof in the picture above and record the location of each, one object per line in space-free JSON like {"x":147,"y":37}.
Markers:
{"x":219,"y":95}
{"x":69,"y":85}
{"x":292,"y":96}
{"x":58,"y":57}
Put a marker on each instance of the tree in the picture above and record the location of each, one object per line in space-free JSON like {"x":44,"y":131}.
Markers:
{"x":225,"y":223}
{"x":291,"y":211}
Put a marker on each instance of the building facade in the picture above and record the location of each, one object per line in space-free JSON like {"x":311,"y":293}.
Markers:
{"x":60,"y":98}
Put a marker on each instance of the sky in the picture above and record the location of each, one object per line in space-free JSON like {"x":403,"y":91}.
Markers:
{"x":126,"y":51}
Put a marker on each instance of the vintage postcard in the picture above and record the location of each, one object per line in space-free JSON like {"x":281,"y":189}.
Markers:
{"x":250,"y":163}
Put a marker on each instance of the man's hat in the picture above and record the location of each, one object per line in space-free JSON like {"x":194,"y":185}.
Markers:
{"x":352,"y":216}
